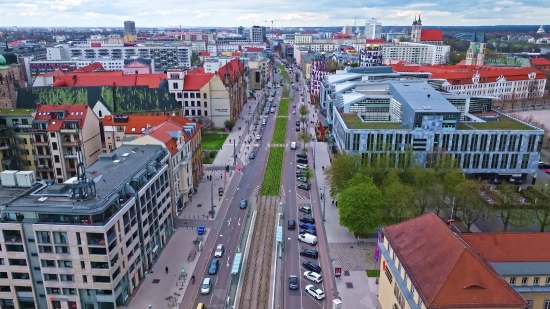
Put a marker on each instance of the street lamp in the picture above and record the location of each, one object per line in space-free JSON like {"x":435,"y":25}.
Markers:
{"x":324,"y":202}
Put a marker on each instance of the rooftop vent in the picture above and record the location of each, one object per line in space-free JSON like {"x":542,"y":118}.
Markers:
{"x":426,"y":107}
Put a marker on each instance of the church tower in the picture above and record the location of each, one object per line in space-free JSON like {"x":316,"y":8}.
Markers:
{"x":476,"y":52}
{"x":416,"y":31}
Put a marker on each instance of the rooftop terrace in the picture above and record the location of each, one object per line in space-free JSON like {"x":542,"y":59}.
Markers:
{"x":352,"y":121}
{"x":504,"y":123}
{"x":16,"y":111}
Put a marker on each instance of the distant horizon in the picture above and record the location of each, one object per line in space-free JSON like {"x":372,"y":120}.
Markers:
{"x":269,"y":27}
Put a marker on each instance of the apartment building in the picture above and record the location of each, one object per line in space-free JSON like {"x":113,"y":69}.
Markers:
{"x":60,"y":134}
{"x":418,"y":53}
{"x":303,"y":39}
{"x":420,"y":254}
{"x":36,"y":68}
{"x":318,"y":47}
{"x":90,"y":241}
{"x":180,"y":136}
{"x":15,"y":140}
{"x":259,"y":72}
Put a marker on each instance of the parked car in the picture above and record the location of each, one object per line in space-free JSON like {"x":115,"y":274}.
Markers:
{"x":302,"y":166}
{"x":302,"y":155}
{"x":301,"y":161}
{"x":219,"y":251}
{"x":302,"y":179}
{"x":244,"y":204}
{"x":305,"y":209}
{"x":214,"y":265}
{"x":312,"y":266}
{"x":291,"y":224}
{"x":300,"y":173}
{"x":307,"y":219}
{"x":310,"y":253}
{"x":297,"y":123}
{"x":313,"y":276}
{"x":201,"y":229}
{"x":303,"y":186}
{"x":251,"y":156}
{"x":258,"y":137}
{"x":315,"y":292}
{"x":307,"y":226}
{"x":293,"y":282}
{"x":308,"y":231}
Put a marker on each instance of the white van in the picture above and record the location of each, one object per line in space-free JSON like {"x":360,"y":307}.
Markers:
{"x":308,"y":239}
{"x":293,"y":145}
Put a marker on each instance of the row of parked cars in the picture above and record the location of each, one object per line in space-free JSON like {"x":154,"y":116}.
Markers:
{"x":302,"y":165}
{"x":213,"y":268}
{"x":313,"y":271}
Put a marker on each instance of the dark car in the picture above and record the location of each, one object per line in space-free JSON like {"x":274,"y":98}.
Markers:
{"x":312,"y":266}
{"x":293,"y":282}
{"x":251,"y":156}
{"x":307,"y":219}
{"x":308,"y":231}
{"x":301,"y":161}
{"x":302,"y":155}
{"x":243,"y":204}
{"x":297,"y":123}
{"x":214,"y":265}
{"x":310,"y":253}
{"x":297,"y":129}
{"x":306,"y":226}
{"x":300,"y":173}
{"x":303,"y":186}
{"x":291,"y":224}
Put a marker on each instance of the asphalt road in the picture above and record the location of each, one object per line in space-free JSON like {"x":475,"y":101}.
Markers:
{"x":231,"y":226}
{"x":293,"y":197}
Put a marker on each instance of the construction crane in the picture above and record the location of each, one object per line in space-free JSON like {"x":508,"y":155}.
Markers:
{"x":272,"y":29}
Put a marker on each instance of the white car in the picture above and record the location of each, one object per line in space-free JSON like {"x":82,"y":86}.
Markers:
{"x":205,"y":286}
{"x":258,"y":137}
{"x":219,"y":251}
{"x":313,"y":276}
{"x":314,"y":291}
{"x":302,"y":166}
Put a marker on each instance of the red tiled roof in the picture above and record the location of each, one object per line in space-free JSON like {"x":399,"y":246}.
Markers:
{"x":431,"y":35}
{"x":446,"y":272}
{"x":375,"y":41}
{"x":235,"y":54}
{"x":55,"y":73}
{"x":233,"y":67}
{"x":254,"y":49}
{"x":205,"y":54}
{"x":197,"y":70}
{"x":137,"y":124}
{"x":114,"y":78}
{"x":195,"y":81}
{"x":92,"y":67}
{"x":510,"y":247}
{"x":463,"y":74}
{"x":72,"y":112}
{"x":160,"y":132}
{"x":540,"y":61}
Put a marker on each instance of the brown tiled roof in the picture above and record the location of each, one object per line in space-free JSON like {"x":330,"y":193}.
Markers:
{"x":446,"y":272}
{"x":510,"y":247}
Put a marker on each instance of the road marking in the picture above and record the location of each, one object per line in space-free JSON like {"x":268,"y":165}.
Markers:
{"x":229,"y":222}
{"x":239,"y":222}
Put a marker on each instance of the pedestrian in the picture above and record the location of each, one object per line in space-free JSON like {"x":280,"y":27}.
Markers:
{"x":221,"y":176}
{"x":336,"y":203}
{"x":332,"y":202}
{"x":166,"y":269}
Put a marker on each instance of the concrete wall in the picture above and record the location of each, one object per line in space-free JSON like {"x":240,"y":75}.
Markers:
{"x":219,"y":100}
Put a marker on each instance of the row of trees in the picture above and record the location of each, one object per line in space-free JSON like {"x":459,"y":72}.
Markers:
{"x":371,"y":195}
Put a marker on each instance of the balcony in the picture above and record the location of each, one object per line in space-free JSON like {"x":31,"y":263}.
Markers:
{"x":39,"y":142}
{"x":68,"y":130}
{"x":12,"y":236}
{"x":70,"y":155}
{"x":71,"y":169}
{"x":42,"y":155}
{"x":68,"y":142}
{"x":22,"y":126}
{"x":44,"y":168}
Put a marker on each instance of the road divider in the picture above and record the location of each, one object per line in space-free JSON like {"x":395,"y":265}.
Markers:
{"x":279,"y":135}
{"x":271,"y":185}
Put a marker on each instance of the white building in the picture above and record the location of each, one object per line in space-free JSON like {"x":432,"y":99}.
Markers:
{"x":373,"y":29}
{"x":419,"y":53}
{"x":303,"y":39}
{"x":163,"y":56}
{"x":347,"y":30}
{"x":216,"y":48}
{"x":318,"y":47}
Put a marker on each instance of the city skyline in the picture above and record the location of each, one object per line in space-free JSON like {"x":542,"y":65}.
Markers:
{"x":84,"y":13}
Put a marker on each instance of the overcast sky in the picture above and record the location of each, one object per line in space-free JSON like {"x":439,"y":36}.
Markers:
{"x":286,"y":13}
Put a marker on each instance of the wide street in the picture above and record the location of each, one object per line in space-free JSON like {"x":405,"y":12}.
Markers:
{"x":293,"y":198}
{"x":233,"y":222}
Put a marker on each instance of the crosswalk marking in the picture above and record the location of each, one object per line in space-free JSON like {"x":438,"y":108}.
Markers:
{"x":282,"y":191}
{"x":256,"y":190}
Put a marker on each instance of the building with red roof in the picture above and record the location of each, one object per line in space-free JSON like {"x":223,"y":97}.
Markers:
{"x":63,"y":136}
{"x":179,"y":135}
{"x":541,"y":64}
{"x":92,"y":67}
{"x":498,"y":82}
{"x":426,"y":36}
{"x":424,"y":264}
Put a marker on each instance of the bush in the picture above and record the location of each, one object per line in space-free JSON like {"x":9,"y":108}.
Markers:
{"x":273,"y":172}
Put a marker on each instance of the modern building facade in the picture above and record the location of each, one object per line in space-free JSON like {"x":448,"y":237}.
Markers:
{"x":130,"y":28}
{"x":418,"y":53}
{"x":370,"y":56}
{"x":373,"y":29}
{"x":61,"y":136}
{"x":256,"y":34}
{"x":423,"y":264}
{"x":401,"y":115}
{"x":15,"y":140}
{"x":90,"y":241}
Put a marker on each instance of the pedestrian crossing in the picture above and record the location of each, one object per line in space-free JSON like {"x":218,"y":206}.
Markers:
{"x":256,"y":190}
{"x":302,"y":197}
{"x":282,"y":192}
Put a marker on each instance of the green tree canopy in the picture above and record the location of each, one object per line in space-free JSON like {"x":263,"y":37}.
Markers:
{"x":343,"y":167}
{"x":360,"y":207}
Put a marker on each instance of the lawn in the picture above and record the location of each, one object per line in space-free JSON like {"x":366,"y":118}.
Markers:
{"x":271,"y":186}
{"x":213,"y":141}
{"x":373,"y":273}
{"x":503,"y":123}
{"x":279,"y":136}
{"x":283,"y":107}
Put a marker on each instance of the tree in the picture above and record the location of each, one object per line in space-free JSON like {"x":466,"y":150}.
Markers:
{"x":229,"y":124}
{"x":206,"y":123}
{"x":343,"y":167}
{"x":402,"y":39}
{"x":509,"y":207}
{"x":423,"y":181}
{"x":331,"y":65}
{"x":303,"y":110}
{"x":469,"y":203}
{"x":195,"y":60}
{"x":308,"y":174}
{"x":359,"y":208}
{"x":542,"y":204}
{"x":304,"y":137}
{"x":297,"y":76}
{"x":398,"y":199}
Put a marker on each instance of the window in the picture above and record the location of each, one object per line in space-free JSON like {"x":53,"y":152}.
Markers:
{"x":513,"y":281}
{"x":175,"y":85}
{"x":65,"y":264}
{"x":47,"y":263}
{"x":206,"y":113}
{"x":547,"y":304}
{"x":524,"y":281}
{"x":179,"y":95}
{"x":204,"y":95}
{"x":529,"y":304}
{"x":50,"y":277}
{"x":205,"y":104}
{"x":412,"y":288}
{"x":52,"y":134}
{"x":56,"y":158}
{"x":547,"y":281}
{"x":100,"y":114}
{"x":536,"y":280}
{"x":54,"y":145}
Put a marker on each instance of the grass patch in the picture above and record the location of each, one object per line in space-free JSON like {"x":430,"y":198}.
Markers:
{"x":283,"y":107}
{"x":16,"y":111}
{"x":213,"y":141}
{"x":372,"y":273}
{"x":353,"y":122}
{"x":271,"y":186}
{"x":279,"y":136}
{"x":504,"y":123}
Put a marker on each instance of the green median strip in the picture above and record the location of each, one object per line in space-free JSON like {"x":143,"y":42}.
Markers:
{"x":283,"y":107}
{"x":271,"y":185}
{"x":279,"y":136}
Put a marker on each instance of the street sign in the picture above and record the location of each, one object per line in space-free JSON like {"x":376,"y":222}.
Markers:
{"x":183,"y":269}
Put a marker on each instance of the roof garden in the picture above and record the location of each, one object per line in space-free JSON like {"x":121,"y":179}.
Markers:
{"x":21,"y":111}
{"x":352,"y":121}
{"x":504,"y":123}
